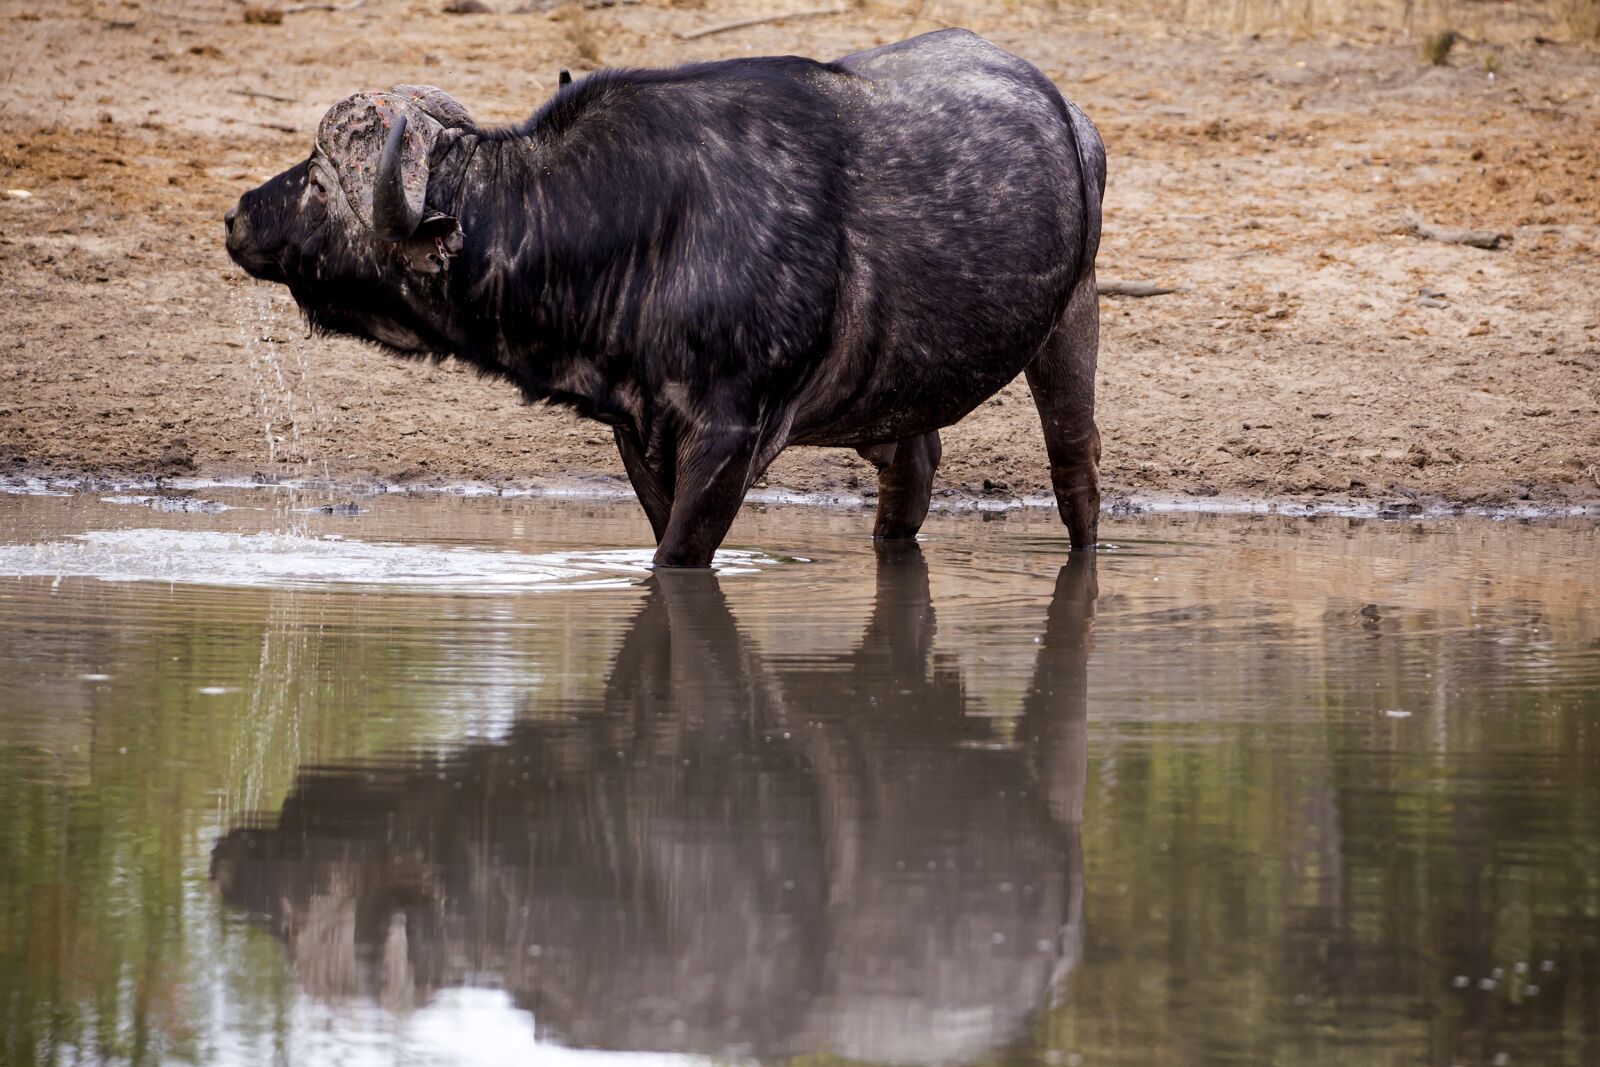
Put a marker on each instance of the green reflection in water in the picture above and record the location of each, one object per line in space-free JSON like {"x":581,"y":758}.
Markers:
{"x":1331,"y":772}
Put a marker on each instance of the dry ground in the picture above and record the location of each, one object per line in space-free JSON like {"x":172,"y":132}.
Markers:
{"x":1264,"y":175}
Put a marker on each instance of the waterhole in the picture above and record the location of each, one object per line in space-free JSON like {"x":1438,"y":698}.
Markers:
{"x":456,"y":780}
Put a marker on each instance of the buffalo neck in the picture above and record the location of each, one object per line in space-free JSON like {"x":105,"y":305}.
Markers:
{"x":550,"y":272}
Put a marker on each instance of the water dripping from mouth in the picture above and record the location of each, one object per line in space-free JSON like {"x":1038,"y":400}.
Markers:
{"x":285,"y":397}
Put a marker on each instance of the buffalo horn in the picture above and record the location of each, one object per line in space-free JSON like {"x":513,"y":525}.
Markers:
{"x":392,"y":218}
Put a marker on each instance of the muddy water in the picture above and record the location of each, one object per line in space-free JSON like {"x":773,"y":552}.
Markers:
{"x":456,"y":781}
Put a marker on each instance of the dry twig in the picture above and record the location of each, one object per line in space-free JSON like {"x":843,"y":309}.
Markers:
{"x":739,"y":24}
{"x":1115,"y":288}
{"x":257,"y":94}
{"x":1450,"y":235}
{"x":295,"y":9}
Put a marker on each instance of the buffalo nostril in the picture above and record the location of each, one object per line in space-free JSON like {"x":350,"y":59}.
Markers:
{"x":227,"y":220}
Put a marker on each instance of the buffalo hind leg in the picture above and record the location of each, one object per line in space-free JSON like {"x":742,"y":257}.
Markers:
{"x":654,"y":491}
{"x":714,"y":469}
{"x":1061,"y":378}
{"x":905,"y":484}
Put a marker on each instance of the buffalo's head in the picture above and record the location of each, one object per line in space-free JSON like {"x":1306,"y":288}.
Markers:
{"x":355,"y":231}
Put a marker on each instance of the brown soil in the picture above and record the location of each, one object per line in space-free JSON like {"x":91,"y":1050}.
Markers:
{"x":1265,"y":177}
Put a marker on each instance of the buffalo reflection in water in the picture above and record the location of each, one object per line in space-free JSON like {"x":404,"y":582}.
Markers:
{"x":726,"y":857}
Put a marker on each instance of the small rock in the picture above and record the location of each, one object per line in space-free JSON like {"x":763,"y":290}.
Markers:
{"x":467,"y":7}
{"x":176,"y":457}
{"x":994,"y":485}
{"x":258,"y":15}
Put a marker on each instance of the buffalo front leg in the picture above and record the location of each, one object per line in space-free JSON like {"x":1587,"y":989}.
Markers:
{"x":1061,"y":378}
{"x":905,"y":484}
{"x":714,"y":469}
{"x":653,"y":490}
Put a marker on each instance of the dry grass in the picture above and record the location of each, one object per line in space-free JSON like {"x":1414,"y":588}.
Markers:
{"x":582,"y":37}
{"x":1577,"y":20}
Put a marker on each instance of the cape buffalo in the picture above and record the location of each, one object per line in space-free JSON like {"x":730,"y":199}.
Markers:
{"x":723,"y":259}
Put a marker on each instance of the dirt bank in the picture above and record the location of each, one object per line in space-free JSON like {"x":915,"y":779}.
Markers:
{"x":1314,"y":348}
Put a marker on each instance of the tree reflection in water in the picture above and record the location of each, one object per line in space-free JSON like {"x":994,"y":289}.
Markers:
{"x":728,"y":856}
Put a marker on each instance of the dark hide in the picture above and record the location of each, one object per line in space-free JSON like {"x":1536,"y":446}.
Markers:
{"x":725,"y":259}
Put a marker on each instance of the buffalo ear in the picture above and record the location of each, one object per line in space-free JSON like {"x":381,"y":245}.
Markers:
{"x":438,"y":224}
{"x":437,"y":241}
